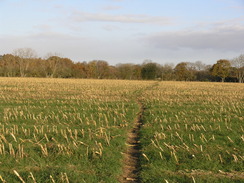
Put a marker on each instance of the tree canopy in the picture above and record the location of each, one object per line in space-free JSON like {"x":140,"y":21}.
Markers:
{"x":24,"y":62}
{"x":221,"y":69}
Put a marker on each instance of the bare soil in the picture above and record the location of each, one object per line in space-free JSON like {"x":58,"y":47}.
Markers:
{"x":131,"y":162}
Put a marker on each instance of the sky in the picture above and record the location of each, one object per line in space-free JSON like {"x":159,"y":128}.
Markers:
{"x":125,"y":31}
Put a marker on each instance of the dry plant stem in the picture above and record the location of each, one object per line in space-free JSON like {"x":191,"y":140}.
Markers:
{"x":17,"y":174}
{"x":131,"y":164}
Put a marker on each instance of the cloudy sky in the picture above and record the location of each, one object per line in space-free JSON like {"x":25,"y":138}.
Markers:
{"x":122,"y":31}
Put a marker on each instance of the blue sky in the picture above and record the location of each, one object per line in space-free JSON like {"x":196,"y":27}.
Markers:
{"x":122,"y":31}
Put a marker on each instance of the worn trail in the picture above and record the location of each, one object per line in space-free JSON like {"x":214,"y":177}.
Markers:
{"x":131,"y":169}
{"x":132,"y":156}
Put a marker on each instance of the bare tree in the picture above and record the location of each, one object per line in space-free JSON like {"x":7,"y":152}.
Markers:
{"x":51,"y":64}
{"x":50,"y":54}
{"x":199,"y":66}
{"x":238,"y":63}
{"x":167,"y":72}
{"x":24,"y":56}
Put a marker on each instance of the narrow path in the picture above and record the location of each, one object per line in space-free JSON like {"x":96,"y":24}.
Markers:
{"x":131,"y":169}
{"x":132,"y":156}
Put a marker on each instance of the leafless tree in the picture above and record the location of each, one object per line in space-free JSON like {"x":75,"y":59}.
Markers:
{"x":238,"y":63}
{"x":51,"y":64}
{"x":24,"y":56}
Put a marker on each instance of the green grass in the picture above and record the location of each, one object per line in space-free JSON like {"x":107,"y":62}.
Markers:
{"x":75,"y":130}
{"x":57,"y":127}
{"x":185,"y":133}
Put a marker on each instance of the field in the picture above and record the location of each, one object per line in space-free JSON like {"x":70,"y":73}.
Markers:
{"x":72,"y":130}
{"x":193,"y":132}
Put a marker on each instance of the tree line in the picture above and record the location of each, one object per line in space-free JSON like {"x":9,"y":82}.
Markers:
{"x":24,"y":62}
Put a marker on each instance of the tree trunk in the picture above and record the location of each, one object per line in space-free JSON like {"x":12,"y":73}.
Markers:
{"x":223,"y":80}
{"x":241,"y":80}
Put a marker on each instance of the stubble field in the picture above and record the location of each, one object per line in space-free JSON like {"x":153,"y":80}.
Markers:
{"x":72,"y":130}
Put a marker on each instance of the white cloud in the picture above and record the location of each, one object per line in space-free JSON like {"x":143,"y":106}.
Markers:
{"x":111,"y":27}
{"x":238,"y":7}
{"x":221,"y":37}
{"x":43,"y":42}
{"x":49,"y":35}
{"x":43,"y":27}
{"x":114,"y":51}
{"x":84,"y":16}
{"x":111,"y":8}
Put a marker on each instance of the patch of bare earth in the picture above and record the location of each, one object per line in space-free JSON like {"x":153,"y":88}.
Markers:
{"x":131,"y":162}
